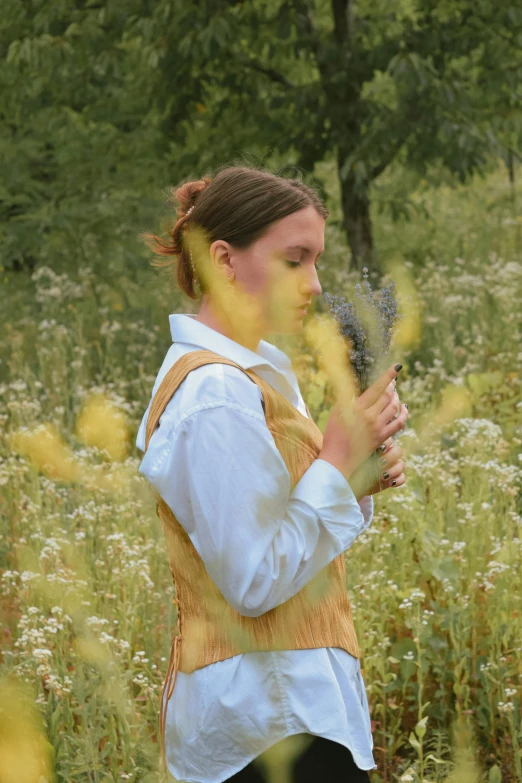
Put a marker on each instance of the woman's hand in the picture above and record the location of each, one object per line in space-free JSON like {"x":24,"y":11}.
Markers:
{"x":369,"y":478}
{"x":393,"y":466}
{"x":371,"y":422}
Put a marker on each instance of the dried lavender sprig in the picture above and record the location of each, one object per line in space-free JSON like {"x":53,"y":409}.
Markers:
{"x":368,"y":323}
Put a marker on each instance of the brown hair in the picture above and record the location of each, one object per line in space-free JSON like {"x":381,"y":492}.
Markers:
{"x":237,"y":205}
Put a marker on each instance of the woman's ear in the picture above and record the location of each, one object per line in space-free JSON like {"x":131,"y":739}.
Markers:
{"x":220,"y":254}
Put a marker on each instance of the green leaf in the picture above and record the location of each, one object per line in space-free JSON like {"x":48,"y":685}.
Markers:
{"x":446,"y":569}
{"x":431,"y":757}
{"x":420,"y":728}
{"x":495,"y":775}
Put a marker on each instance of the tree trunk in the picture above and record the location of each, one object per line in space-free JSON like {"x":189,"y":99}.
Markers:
{"x":358,"y":225}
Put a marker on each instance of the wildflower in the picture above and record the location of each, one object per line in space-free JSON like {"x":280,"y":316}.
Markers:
{"x":458,"y":546}
{"x":29,"y":576}
{"x":41,"y":654}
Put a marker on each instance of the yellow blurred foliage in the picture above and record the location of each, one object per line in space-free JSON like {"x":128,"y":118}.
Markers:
{"x":117,"y":481}
{"x":49,"y":593}
{"x":484,"y":382}
{"x":332,"y":350}
{"x":276,"y":762}
{"x":466,"y":769}
{"x":92,"y":651}
{"x":104,"y":426}
{"x":111,"y":688}
{"x":25,"y":753}
{"x":45,"y":448}
{"x":100,"y":424}
{"x":455,"y":403}
{"x":408,"y":330}
{"x":247,"y":309}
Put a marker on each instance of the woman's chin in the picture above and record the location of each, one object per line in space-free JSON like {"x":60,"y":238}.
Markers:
{"x":289,"y":326}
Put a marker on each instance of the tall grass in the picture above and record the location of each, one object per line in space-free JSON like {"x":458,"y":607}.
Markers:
{"x":86,"y":594}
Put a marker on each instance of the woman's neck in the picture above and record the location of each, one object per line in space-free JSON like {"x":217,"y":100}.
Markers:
{"x":244,"y":333}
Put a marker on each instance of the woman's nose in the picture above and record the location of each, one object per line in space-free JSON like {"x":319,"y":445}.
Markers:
{"x":311,"y":285}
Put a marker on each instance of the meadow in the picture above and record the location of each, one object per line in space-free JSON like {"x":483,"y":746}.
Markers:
{"x":86,"y":595}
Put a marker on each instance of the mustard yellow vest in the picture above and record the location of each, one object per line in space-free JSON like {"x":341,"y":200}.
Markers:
{"x":319,"y":615}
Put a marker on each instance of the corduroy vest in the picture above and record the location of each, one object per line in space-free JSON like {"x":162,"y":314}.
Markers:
{"x":319,"y":615}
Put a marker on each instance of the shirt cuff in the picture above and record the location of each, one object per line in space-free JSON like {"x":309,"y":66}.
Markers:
{"x":324,"y":488}
{"x":367,"y":508}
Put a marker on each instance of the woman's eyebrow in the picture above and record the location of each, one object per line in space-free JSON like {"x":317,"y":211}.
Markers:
{"x":301,"y":247}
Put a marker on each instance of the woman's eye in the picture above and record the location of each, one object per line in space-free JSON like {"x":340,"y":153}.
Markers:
{"x":293,"y":264}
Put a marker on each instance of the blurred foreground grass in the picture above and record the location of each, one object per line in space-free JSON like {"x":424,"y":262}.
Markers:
{"x":86,"y":595}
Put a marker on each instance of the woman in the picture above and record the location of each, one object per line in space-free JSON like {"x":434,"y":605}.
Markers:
{"x":256,"y":504}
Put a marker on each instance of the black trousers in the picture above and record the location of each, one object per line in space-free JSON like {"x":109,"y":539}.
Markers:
{"x":322,"y":761}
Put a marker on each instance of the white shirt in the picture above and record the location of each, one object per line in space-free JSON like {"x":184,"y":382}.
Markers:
{"x":214,"y":461}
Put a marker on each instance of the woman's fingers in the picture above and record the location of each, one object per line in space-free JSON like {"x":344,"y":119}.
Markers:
{"x":388,"y":443}
{"x":399,"y":481}
{"x":393,"y":465}
{"x":374,"y":392}
{"x":396,"y":424}
{"x":393,"y":481}
{"x":391,"y":455}
{"x":392,"y":408}
{"x":393,"y":471}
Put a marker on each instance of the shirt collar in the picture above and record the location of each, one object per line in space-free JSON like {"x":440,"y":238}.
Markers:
{"x":185,"y":329}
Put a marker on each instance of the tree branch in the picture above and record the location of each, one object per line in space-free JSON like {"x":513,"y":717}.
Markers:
{"x":413,"y":112}
{"x":272,"y":74}
{"x":392,"y":153}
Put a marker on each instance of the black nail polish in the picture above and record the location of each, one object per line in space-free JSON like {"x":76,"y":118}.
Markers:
{"x":398,"y":367}
{"x":394,"y":482}
{"x":383,"y":460}
{"x":406,"y":405}
{"x":382,"y":447}
{"x":386,"y":475}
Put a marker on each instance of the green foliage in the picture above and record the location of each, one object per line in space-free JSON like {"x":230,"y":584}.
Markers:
{"x":79,"y":146}
{"x":103,"y":106}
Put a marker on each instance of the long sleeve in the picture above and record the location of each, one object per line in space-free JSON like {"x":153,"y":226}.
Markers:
{"x":367,"y":507}
{"x":228,"y":486}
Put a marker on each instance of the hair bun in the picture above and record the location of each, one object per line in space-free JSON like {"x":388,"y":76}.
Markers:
{"x":187,"y":194}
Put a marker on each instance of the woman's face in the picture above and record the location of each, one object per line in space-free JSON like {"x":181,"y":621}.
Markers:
{"x":277,"y":274}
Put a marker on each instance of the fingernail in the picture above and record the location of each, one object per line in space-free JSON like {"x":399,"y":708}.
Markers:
{"x":405,"y":404}
{"x":394,"y":482}
{"x":383,"y":460}
{"x":386,"y":475}
{"x":382,"y":447}
{"x":398,"y":367}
